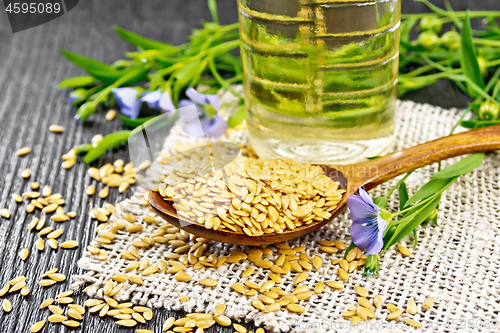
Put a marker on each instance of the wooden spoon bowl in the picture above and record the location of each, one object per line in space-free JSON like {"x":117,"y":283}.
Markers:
{"x":350,"y":177}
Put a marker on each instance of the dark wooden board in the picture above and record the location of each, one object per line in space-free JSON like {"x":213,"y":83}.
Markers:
{"x":30,"y":65}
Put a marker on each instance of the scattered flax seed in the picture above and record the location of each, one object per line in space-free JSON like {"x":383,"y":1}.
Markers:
{"x":183,"y":277}
{"x":413,"y":323}
{"x":427,"y":304}
{"x":239,"y":288}
{"x":17,"y":198}
{"x":320,"y":287}
{"x":56,"y":310}
{"x":16,"y":280}
{"x":65,"y":294}
{"x":35,"y":185}
{"x":351,"y":255}
{"x":71,"y":323}
{"x":55,"y":234}
{"x":411,"y":307}
{"x":45,"y":231}
{"x":47,"y":283}
{"x":404,"y":250}
{"x":59,"y":277}
{"x":239,"y":328}
{"x":30,"y":208}
{"x":391,"y":307}
{"x":295,"y":308}
{"x":46,"y":303}
{"x":18,"y":286}
{"x":138,"y":317}
{"x":36,"y":327}
{"x":168,"y":323}
{"x":184,"y":299}
{"x":343,"y":274}
{"x":90,"y":190}
{"x":223,"y":320}
{"x":46,"y":191}
{"x":110,"y":115}
{"x":208,"y":282}
{"x":123,"y":187}
{"x":4,"y":290}
{"x":68,"y":164}
{"x":40,"y":224}
{"x":301,"y":277}
{"x":361,"y":291}
{"x":26,"y":173}
{"x":6,"y":305}
{"x":377,"y":301}
{"x":23,"y":151}
{"x":364,"y":302}
{"x":69,"y":244}
{"x":25,"y":291}
{"x":74,"y":314}
{"x":127,"y":322}
{"x":394,"y":315}
{"x":80,"y":309}
{"x":335,"y":284}
{"x":361,"y":312}
{"x":317,"y":262}
{"x":5,"y":213}
{"x":56,"y":128}
{"x":348,"y":314}
{"x":219,"y":309}
{"x":93,"y":302}
{"x":104,"y":193}
{"x":40,"y":244}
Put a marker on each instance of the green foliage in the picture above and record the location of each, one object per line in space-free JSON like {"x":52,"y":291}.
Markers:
{"x":76,"y":82}
{"x":108,"y":142}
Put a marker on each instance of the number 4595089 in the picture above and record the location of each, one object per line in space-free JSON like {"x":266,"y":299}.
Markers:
{"x":33,"y":8}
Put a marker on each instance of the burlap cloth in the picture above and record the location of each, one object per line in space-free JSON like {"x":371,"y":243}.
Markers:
{"x":457,"y":262}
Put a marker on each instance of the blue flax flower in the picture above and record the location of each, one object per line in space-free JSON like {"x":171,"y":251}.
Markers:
{"x":159,"y":101}
{"x":127,"y":100}
{"x":367,"y":228}
{"x":211,"y":126}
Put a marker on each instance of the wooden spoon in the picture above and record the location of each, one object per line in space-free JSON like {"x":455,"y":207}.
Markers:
{"x":351,"y":177}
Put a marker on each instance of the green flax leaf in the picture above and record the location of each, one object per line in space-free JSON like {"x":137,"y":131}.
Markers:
{"x":462,"y":167}
{"x":83,"y":148}
{"x":142,"y":42}
{"x":237,"y":117}
{"x":496,"y":91}
{"x":111,"y":76}
{"x":87,"y":64}
{"x":403,"y":195}
{"x":478,"y":91}
{"x":414,"y":220}
{"x":212,"y":6}
{"x":408,"y":223}
{"x":76,"y":82}
{"x":473,"y":124}
{"x":432,"y":187}
{"x":468,"y":60}
{"x":108,"y":142}
{"x":184,"y":77}
{"x":129,"y":122}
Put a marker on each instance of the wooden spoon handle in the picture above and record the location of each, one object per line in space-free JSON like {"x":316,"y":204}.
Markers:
{"x":374,"y":172}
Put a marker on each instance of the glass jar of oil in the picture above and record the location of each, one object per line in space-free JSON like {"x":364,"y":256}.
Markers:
{"x":320,"y":77}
